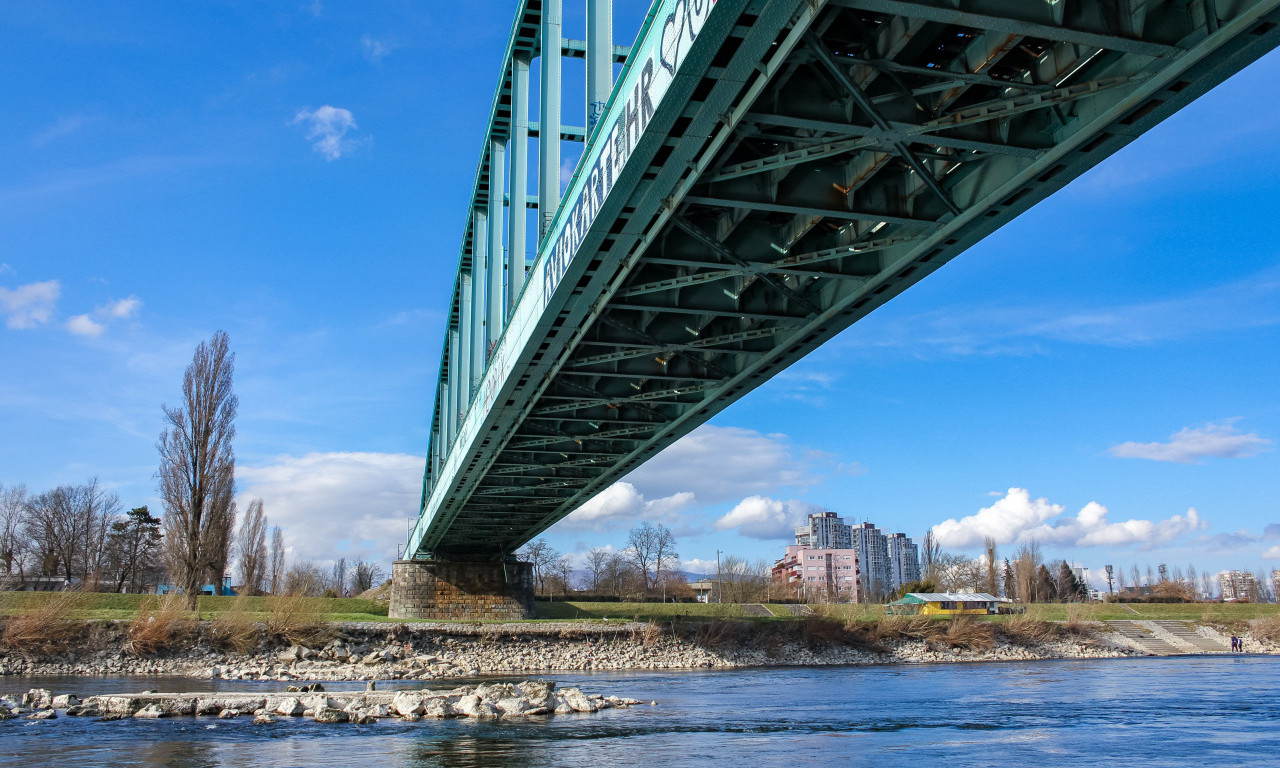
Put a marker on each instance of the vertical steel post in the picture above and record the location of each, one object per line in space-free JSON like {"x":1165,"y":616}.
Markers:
{"x":496,"y":307}
{"x":455,"y":388}
{"x":517,"y":212}
{"x":466,"y":326}
{"x":599,"y":59}
{"x":549,"y":118}
{"x":479,"y":244}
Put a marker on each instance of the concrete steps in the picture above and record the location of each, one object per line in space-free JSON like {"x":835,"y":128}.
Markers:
{"x":1166,"y":638}
{"x":1144,"y":638}
{"x":1183,"y":633}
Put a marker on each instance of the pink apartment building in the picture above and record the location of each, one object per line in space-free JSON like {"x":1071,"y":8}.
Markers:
{"x":820,"y":575}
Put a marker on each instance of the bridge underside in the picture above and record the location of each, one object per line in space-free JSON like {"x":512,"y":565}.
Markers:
{"x":810,"y":161}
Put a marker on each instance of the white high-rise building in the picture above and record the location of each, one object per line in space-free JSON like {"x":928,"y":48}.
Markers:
{"x":1237,"y":585}
{"x":904,"y":560}
{"x":873,"y":560}
{"x":826,"y":530}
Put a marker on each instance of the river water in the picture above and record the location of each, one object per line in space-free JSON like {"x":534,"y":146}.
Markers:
{"x":1189,"y":711}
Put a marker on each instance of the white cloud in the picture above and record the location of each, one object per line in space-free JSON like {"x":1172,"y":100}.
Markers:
{"x":1218,"y":439}
{"x":374,"y":50}
{"x":718,"y":464}
{"x":5,"y":268}
{"x":327,"y":128}
{"x":338,"y":504}
{"x":29,"y":305}
{"x":760,"y":517}
{"x":698,"y":565}
{"x":120,"y":310}
{"x":622,"y":506}
{"x":1272,"y":554}
{"x":83,"y":325}
{"x":95,"y":324}
{"x":1019,"y":518}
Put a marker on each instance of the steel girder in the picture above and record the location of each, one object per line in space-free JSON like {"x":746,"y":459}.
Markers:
{"x":808,"y":161}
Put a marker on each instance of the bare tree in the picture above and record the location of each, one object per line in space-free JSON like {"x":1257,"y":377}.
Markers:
{"x":304,"y":579}
{"x":14,"y":544}
{"x":1026,"y":565}
{"x":597,"y":559}
{"x":653,"y":548}
{"x":69,"y":526}
{"x":543,"y":558}
{"x":366,"y":576}
{"x":251,"y":548}
{"x":198,"y":468}
{"x":338,"y":578}
{"x":563,"y":569}
{"x":989,"y":549}
{"x":742,"y":580}
{"x":277,"y":560}
{"x":620,"y":575}
{"x":929,"y":557}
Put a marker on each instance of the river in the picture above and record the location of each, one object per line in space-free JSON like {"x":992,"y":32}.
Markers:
{"x":1189,"y":711}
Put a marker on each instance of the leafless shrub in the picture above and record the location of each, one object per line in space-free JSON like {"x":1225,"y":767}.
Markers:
{"x":717,"y":633}
{"x":648,"y":635}
{"x":819,"y":630}
{"x":1080,"y":624}
{"x":1028,"y":631}
{"x":43,"y":627}
{"x":1267,"y":629}
{"x":235,"y":630}
{"x":297,"y":619}
{"x":906,"y":628}
{"x":160,"y":623}
{"x":965,"y":632}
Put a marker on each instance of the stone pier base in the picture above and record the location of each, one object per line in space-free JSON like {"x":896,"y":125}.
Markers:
{"x":459,"y":589}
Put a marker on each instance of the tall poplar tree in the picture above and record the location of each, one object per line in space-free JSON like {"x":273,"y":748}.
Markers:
{"x":198,"y":469}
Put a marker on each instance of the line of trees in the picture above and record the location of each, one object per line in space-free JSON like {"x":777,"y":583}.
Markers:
{"x":76,"y":534}
{"x":79,"y":535}
{"x":1028,"y":578}
{"x":645,"y":568}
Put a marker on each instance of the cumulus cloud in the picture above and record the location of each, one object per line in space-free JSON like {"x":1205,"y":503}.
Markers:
{"x":760,"y":517}
{"x":95,"y":324}
{"x":621,"y":505}
{"x":698,"y":565}
{"x":338,"y":504}
{"x":719,"y":464}
{"x":1018,"y":518}
{"x":122,"y":309}
{"x":327,"y":128}
{"x":1189,"y":445}
{"x":83,"y":325}
{"x":1272,"y":554}
{"x":30,"y":305}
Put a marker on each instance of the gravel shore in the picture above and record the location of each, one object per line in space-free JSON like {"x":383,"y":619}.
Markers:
{"x":379,"y":651}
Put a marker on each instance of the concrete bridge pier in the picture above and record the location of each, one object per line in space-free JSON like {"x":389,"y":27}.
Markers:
{"x":440,"y":588}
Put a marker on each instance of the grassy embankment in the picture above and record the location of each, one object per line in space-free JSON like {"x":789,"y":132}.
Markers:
{"x":92,"y":606}
{"x":1204,"y":613}
{"x":105,"y":606}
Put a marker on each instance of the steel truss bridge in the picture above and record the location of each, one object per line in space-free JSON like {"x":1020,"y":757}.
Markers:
{"x":761,"y":175}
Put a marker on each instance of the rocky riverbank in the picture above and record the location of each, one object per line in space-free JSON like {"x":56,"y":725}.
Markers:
{"x":534,"y":698}
{"x":372,"y":651}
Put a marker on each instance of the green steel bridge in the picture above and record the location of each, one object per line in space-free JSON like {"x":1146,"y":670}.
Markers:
{"x":761,"y":175}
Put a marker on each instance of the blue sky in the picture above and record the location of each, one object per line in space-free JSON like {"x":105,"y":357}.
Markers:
{"x":297,"y":174}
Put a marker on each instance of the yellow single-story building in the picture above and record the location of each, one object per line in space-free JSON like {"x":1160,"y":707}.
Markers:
{"x":947,"y":604}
